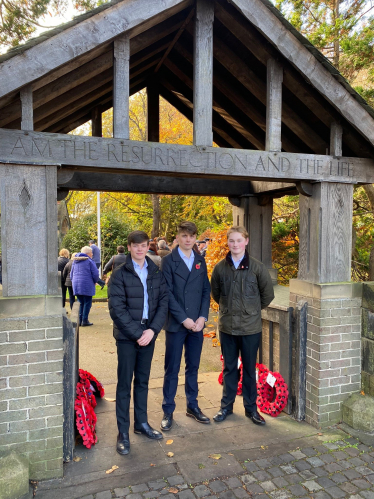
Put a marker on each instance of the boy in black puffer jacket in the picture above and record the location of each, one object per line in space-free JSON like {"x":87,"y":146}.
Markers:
{"x":138,"y":304}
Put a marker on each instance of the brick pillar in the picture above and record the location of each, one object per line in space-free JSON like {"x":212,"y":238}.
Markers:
{"x":333,"y":368}
{"x":31,"y":378}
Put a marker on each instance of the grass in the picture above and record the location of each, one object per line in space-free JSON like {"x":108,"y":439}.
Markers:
{"x":101,"y":293}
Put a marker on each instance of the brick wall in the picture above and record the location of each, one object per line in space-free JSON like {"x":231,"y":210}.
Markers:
{"x":266,"y":346}
{"x":31,"y":380}
{"x":333,"y":368}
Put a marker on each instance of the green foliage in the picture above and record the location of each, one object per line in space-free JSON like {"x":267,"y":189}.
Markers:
{"x":114,"y":232}
{"x":20,"y":19}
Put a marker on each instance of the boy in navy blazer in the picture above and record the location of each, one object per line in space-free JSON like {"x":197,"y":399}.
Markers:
{"x":189,"y":297}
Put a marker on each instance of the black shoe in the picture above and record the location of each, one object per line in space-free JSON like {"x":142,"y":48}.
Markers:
{"x":148,"y":431}
{"x":86,"y":323}
{"x":256,"y":417}
{"x":123,"y":444}
{"x":167,"y":421}
{"x":198,"y":415}
{"x":222,"y":415}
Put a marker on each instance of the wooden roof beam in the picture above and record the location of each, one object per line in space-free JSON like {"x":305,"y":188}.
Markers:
{"x":124,"y":17}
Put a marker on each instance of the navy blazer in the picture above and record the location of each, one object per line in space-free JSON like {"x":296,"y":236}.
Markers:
{"x":189,"y":292}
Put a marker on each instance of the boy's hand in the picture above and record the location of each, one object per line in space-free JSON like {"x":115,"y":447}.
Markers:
{"x":189,"y":324}
{"x":146,"y":337}
{"x":199,"y":324}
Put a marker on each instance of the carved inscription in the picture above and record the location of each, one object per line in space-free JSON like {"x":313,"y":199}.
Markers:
{"x":142,"y":156}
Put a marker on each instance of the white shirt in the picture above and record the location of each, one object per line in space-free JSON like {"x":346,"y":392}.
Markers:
{"x":143,"y":274}
{"x":187,"y":260}
{"x":237,"y":262}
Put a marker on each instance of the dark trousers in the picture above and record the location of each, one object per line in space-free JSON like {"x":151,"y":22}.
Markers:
{"x":232,"y":348}
{"x":71,"y":296}
{"x":100,"y":281}
{"x":84,"y":307}
{"x":193,"y":343}
{"x":133,"y":361}
{"x":63,"y":289}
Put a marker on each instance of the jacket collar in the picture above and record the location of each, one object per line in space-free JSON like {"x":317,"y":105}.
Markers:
{"x":244,"y":264}
{"x":152,"y":267}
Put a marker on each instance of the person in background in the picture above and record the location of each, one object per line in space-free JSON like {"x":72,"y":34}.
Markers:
{"x":242,"y":287}
{"x":84,"y":275}
{"x":138,"y":304}
{"x":153,"y":255}
{"x":68,"y":283}
{"x":62,"y":261}
{"x":96,"y":257}
{"x":115,"y":261}
{"x":162,"y":248}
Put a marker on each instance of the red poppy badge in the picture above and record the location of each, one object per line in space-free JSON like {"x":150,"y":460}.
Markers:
{"x":198,"y":265}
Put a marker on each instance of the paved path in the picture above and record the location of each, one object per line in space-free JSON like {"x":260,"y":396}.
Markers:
{"x":285,"y":459}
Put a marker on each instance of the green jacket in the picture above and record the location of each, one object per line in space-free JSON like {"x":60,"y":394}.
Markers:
{"x":241,"y":294}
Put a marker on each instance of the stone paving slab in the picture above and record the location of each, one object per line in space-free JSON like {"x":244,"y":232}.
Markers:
{"x":235,"y":477}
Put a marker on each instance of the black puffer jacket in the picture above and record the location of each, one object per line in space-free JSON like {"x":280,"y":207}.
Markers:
{"x":66,"y":274}
{"x":126,"y":300}
{"x":62,"y":262}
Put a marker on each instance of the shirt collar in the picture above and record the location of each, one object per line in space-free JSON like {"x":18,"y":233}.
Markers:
{"x":136,"y":265}
{"x":182,"y":255}
{"x":237,"y":261}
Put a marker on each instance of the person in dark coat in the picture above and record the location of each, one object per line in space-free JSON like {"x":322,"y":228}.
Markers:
{"x":189,"y":297}
{"x":84,"y":275}
{"x":115,"y":261}
{"x":62,"y":261}
{"x":138,"y":304}
{"x":242,"y":286}
{"x":68,"y":283}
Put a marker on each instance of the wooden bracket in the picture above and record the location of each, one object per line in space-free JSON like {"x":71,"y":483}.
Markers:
{"x":305,"y":188}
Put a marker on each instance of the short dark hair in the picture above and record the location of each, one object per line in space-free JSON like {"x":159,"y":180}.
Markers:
{"x":120,"y":249}
{"x":188,"y":227}
{"x":137,"y":237}
{"x":92,"y":241}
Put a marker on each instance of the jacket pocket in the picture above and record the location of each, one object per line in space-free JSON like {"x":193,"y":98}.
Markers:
{"x":250,"y":286}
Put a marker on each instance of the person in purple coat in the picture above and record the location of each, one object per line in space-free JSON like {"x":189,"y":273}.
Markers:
{"x":84,"y":275}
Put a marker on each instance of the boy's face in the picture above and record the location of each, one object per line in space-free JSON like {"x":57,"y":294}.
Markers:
{"x":138,"y":250}
{"x":186,"y":241}
{"x":237,"y":243}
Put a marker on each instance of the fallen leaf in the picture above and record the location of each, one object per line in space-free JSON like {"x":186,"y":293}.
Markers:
{"x":215,"y":462}
{"x":200,"y":466}
{"x":170,"y":454}
{"x":320,"y":434}
{"x":362,"y":393}
{"x":210,"y":325}
{"x":215,"y":456}
{"x":173,"y":490}
{"x":169,"y":442}
{"x":109,"y":400}
{"x":230,"y":454}
{"x":152,"y":464}
{"x":264,"y":447}
{"x":113,"y":468}
{"x":77,"y":459}
{"x":111,"y":352}
{"x":210,"y":335}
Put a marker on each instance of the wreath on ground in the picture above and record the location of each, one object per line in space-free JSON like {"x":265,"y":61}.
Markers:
{"x":272,"y":391}
{"x":88,"y":388}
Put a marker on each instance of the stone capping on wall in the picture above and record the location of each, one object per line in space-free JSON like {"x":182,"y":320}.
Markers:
{"x":30,"y":306}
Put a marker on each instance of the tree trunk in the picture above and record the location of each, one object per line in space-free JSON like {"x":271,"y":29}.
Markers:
{"x":156,"y":215}
{"x":337,"y":35}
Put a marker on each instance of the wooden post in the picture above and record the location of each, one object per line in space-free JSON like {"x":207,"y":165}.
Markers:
{"x":203,"y":74}
{"x":27,"y":119}
{"x":121,"y":87}
{"x":97,"y":127}
{"x":257,"y":220}
{"x":28,"y":196}
{"x":274,"y":106}
{"x":326,"y":233}
{"x":336,"y":139}
{"x":153,"y":113}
